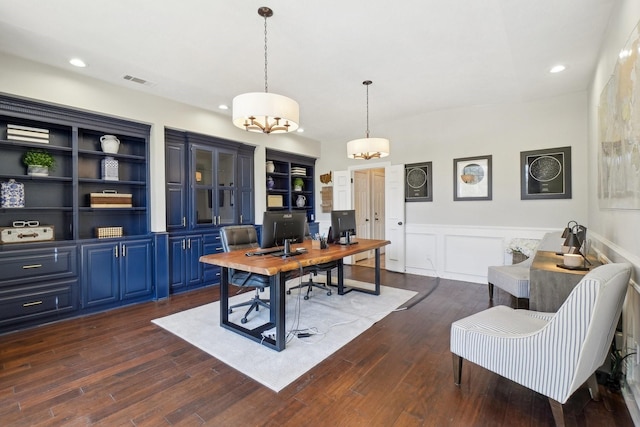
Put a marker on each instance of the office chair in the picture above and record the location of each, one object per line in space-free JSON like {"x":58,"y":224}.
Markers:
{"x":235,"y":237}
{"x":313,"y":271}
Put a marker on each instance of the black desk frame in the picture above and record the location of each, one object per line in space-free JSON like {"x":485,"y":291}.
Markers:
{"x":277,"y":305}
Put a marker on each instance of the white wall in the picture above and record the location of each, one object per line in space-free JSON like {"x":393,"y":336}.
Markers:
{"x":617,"y":231}
{"x":54,"y":85}
{"x":502,"y":131}
{"x":621,"y":227}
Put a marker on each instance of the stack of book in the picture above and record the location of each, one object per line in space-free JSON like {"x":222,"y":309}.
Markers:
{"x":27,"y":134}
{"x":298,"y":171}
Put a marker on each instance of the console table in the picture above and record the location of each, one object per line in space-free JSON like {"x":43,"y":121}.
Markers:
{"x":550,"y":285}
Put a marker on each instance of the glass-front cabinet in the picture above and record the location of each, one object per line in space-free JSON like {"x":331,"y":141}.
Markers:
{"x":209,"y":184}
{"x":214,"y":184}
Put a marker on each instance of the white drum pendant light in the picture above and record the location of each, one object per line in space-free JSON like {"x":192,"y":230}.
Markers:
{"x":265,"y":112}
{"x":368,"y":148}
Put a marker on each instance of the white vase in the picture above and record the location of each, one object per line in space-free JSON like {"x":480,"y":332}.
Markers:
{"x":110,"y":144}
{"x":270,"y":167}
{"x":36,"y":170}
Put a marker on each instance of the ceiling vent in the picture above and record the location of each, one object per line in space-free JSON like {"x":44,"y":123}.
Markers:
{"x":138,"y":80}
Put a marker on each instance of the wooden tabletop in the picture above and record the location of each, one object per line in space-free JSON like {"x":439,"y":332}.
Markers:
{"x":270,"y":265}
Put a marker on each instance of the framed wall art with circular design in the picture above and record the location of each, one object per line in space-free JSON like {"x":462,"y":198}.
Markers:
{"x":418,"y":182}
{"x":546,"y":174}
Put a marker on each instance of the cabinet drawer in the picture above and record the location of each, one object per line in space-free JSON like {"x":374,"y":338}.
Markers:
{"x":30,"y":265}
{"x":38,"y":301}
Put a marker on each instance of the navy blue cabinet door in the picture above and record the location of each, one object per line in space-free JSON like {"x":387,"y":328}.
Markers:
{"x":100,"y":273}
{"x":177,"y":263}
{"x":194,"y":267}
{"x":136,"y":269}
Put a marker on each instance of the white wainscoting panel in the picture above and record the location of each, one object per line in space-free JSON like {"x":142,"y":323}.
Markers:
{"x":460,"y":252}
{"x":470,"y":256}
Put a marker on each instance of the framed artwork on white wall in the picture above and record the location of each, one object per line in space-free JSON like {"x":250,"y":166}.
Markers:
{"x":545,"y":174}
{"x":472,"y":178}
{"x":418,"y":182}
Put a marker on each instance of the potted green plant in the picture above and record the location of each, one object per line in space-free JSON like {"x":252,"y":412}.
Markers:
{"x":618,"y":360}
{"x":298,"y":184}
{"x":38,"y":162}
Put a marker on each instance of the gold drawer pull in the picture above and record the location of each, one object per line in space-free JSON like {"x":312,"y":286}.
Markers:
{"x":26,"y":267}
{"x":29,"y":304}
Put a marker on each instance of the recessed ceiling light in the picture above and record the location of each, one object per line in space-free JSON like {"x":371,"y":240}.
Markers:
{"x":300,"y":130}
{"x":77,"y":62}
{"x":557,"y":69}
{"x":223,"y":106}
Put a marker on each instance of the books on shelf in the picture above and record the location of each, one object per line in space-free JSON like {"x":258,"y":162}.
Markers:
{"x":27,"y":134}
{"x":298,"y":171}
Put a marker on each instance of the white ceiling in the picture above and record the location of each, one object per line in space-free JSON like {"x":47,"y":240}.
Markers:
{"x":422,"y":55}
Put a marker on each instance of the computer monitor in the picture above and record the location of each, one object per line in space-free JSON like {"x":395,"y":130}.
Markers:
{"x":343,"y":224}
{"x":280,"y":226}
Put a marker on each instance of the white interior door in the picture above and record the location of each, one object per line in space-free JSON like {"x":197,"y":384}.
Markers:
{"x":394,"y":223}
{"x":362,"y":206}
{"x":377,"y":203}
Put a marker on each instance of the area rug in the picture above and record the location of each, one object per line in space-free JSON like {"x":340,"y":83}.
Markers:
{"x":332,"y":320}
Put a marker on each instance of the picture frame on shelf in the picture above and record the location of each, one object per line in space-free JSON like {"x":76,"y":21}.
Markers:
{"x":545,"y":174}
{"x":418,"y":182}
{"x":472,"y":178}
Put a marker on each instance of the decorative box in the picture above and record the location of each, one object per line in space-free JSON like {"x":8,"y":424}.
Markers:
{"x":109,"y":168}
{"x":12,"y":194}
{"x":40,"y":233}
{"x":106,"y":232}
{"x":274,"y":201}
{"x":109,"y":199}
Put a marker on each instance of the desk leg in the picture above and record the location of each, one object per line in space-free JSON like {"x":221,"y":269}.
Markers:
{"x":277,"y":309}
{"x":377,"y":273}
{"x":341,"y":290}
{"x":224,"y":295}
{"x":276,"y":313}
{"x":344,"y":290}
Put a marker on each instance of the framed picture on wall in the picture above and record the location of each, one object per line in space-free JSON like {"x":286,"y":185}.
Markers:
{"x":418,"y":182}
{"x":472,"y":178}
{"x":545,"y":174}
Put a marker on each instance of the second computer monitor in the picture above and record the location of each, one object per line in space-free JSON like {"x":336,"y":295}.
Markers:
{"x":280,"y":226}
{"x":343,"y":224}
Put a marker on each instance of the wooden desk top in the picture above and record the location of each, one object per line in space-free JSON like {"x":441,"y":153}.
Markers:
{"x":270,"y":265}
{"x":548,"y":261}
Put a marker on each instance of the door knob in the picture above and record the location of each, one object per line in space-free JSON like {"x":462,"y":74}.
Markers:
{"x":400,"y":223}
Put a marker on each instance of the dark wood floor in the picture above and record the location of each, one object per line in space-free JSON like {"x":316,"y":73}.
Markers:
{"x":119,"y":369}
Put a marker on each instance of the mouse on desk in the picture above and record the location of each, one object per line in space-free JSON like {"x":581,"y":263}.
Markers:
{"x":249,"y":253}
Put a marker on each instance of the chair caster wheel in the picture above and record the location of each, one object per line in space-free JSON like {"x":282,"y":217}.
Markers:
{"x":288,"y":292}
{"x":243,"y":320}
{"x":329,"y":293}
{"x":230,"y":311}
{"x":306,"y":297}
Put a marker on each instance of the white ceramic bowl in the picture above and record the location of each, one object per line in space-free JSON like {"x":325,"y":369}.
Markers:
{"x":572,"y":260}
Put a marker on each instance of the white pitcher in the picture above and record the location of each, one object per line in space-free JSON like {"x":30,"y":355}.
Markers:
{"x":110,"y":144}
{"x":301,"y":201}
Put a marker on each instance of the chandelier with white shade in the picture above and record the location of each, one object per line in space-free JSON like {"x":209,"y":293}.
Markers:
{"x":368,"y":148}
{"x":265,"y":112}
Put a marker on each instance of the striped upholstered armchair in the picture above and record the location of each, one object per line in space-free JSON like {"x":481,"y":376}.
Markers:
{"x":550,"y":353}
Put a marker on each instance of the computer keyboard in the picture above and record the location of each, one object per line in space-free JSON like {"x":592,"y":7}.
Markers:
{"x":266,"y":251}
